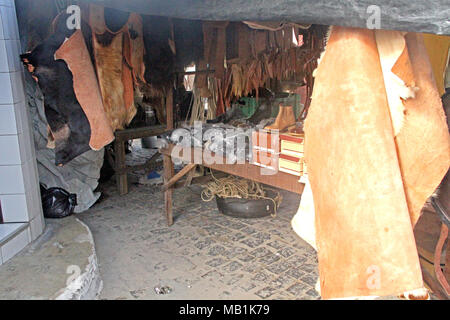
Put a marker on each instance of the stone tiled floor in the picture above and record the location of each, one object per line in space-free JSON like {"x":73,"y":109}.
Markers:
{"x":205,"y":255}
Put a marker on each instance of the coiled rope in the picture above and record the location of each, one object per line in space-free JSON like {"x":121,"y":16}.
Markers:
{"x":234,"y":187}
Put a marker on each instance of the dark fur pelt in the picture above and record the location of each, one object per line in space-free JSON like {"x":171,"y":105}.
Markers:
{"x":159,"y":59}
{"x":188,"y":42}
{"x":64,"y":114}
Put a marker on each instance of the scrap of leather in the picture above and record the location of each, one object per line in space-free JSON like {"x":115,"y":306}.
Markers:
{"x":364,"y":234}
{"x":74,"y":52}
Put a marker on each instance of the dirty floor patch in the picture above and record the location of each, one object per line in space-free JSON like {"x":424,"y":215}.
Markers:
{"x":204,"y":255}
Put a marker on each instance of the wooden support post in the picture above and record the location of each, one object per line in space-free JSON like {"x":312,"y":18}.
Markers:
{"x":167,"y":160}
{"x":121,"y":177}
{"x":168,"y":174}
{"x":169,"y":110}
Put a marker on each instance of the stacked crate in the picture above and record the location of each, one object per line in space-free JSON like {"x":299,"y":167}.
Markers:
{"x":291,"y":158}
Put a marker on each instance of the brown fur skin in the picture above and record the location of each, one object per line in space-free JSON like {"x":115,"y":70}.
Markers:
{"x":109,"y":70}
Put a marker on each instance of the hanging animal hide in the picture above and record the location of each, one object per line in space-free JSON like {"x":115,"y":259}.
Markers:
{"x":74,"y":52}
{"x":362,"y":219}
{"x":260,"y":42}
{"x":135,"y":57}
{"x":214,"y":34}
{"x":369,"y":186}
{"x":188,"y":36}
{"x":423,"y":142}
{"x":69,"y":127}
{"x":159,"y":59}
{"x":245,"y":49}
{"x":115,"y":55}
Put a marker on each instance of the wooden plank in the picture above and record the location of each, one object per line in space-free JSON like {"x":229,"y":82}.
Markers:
{"x":168,"y":174}
{"x":151,"y":163}
{"x":248,"y":171}
{"x":178,"y":176}
{"x":135,"y":133}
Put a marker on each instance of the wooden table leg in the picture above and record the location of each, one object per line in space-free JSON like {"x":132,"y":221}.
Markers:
{"x":168,"y":174}
{"x":169,"y":184}
{"x":121,"y":178}
{"x":190,"y":176}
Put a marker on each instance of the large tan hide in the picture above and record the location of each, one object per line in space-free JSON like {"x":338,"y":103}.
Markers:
{"x":74,"y":52}
{"x":118,"y":63}
{"x":364,"y":233}
{"x":423,"y":143}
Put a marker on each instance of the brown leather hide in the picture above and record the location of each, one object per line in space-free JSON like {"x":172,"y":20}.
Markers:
{"x":74,"y":52}
{"x":365,"y":240}
{"x":423,"y":142}
{"x":129,"y":78}
{"x":260,"y":41}
{"x":135,"y":57}
{"x":109,"y":71}
{"x":214,"y":34}
{"x":119,"y":61}
{"x":245,"y":49}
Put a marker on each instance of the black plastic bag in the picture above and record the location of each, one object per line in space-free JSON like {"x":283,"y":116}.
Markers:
{"x":57,"y":203}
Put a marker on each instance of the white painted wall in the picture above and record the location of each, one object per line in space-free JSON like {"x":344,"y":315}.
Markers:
{"x":19,"y":183}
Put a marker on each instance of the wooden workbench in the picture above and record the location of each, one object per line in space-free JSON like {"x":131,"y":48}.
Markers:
{"x":196,"y":156}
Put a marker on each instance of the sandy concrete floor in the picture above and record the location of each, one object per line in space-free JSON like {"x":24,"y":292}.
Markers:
{"x":205,"y":255}
{"x":60,"y":264}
